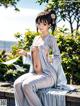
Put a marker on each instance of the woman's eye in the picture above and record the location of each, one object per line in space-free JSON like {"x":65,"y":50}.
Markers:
{"x":45,"y":24}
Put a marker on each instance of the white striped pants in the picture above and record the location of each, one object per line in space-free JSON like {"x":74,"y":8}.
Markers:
{"x":25,"y":88}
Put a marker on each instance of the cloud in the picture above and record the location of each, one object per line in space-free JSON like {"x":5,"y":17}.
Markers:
{"x":12,"y":21}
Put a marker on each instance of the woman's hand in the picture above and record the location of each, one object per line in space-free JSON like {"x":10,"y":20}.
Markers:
{"x":22,"y":52}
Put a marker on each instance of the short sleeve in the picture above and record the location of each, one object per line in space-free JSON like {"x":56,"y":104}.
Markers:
{"x":34,"y":43}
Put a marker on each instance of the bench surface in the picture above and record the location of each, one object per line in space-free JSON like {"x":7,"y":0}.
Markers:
{"x":72,"y":99}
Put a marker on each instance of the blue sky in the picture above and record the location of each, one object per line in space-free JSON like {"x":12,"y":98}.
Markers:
{"x":30,"y":4}
{"x":12,"y":21}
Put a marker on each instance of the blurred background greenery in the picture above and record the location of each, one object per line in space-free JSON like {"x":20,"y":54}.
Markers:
{"x":69,"y":46}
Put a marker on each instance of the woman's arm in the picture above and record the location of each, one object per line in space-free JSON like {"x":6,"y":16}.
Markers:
{"x":55,"y":51}
{"x":22,"y":52}
{"x":57,"y":63}
{"x":56,"y":58}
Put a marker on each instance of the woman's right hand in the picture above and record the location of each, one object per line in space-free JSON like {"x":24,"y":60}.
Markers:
{"x":22,"y":52}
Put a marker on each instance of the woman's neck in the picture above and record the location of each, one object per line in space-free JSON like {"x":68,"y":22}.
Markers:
{"x":43,"y":35}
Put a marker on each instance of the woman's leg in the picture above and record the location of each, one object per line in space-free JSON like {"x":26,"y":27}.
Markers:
{"x":18,"y":92}
{"x":31,"y":85}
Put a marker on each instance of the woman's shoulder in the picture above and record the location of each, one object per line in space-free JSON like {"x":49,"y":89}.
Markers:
{"x":51,"y":40}
{"x":52,"y":37}
{"x":36,"y":37}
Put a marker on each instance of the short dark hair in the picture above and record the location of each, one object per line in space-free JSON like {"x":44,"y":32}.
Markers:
{"x":47,"y":17}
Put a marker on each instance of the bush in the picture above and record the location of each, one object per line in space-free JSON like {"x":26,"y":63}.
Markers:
{"x":9,"y":72}
{"x":70,"y":52}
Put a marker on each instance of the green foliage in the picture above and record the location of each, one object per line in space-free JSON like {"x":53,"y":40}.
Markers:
{"x":3,"y":55}
{"x":24,"y":41}
{"x":65,"y":10}
{"x":29,"y":36}
{"x":70,"y":52}
{"x":8,"y":3}
{"x":3,"y":70}
{"x":10,"y":75}
{"x":9,"y":72}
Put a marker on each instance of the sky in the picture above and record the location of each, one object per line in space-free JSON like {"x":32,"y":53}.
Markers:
{"x":12,"y":21}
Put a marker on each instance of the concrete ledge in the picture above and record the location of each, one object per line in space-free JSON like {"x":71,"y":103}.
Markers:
{"x":72,"y":99}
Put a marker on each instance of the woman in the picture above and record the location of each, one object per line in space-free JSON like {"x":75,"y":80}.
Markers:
{"x":43,"y":74}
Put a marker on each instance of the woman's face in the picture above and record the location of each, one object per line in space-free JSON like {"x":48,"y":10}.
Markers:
{"x":43,"y":27}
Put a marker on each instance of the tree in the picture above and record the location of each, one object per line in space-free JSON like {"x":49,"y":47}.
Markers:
{"x":8,"y":3}
{"x":66,"y":10}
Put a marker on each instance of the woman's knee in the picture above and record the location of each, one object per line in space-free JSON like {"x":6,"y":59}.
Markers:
{"x":26,"y":86}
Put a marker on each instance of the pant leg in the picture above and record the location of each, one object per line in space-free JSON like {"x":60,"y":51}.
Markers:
{"x":18,"y":92}
{"x":31,"y":85}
